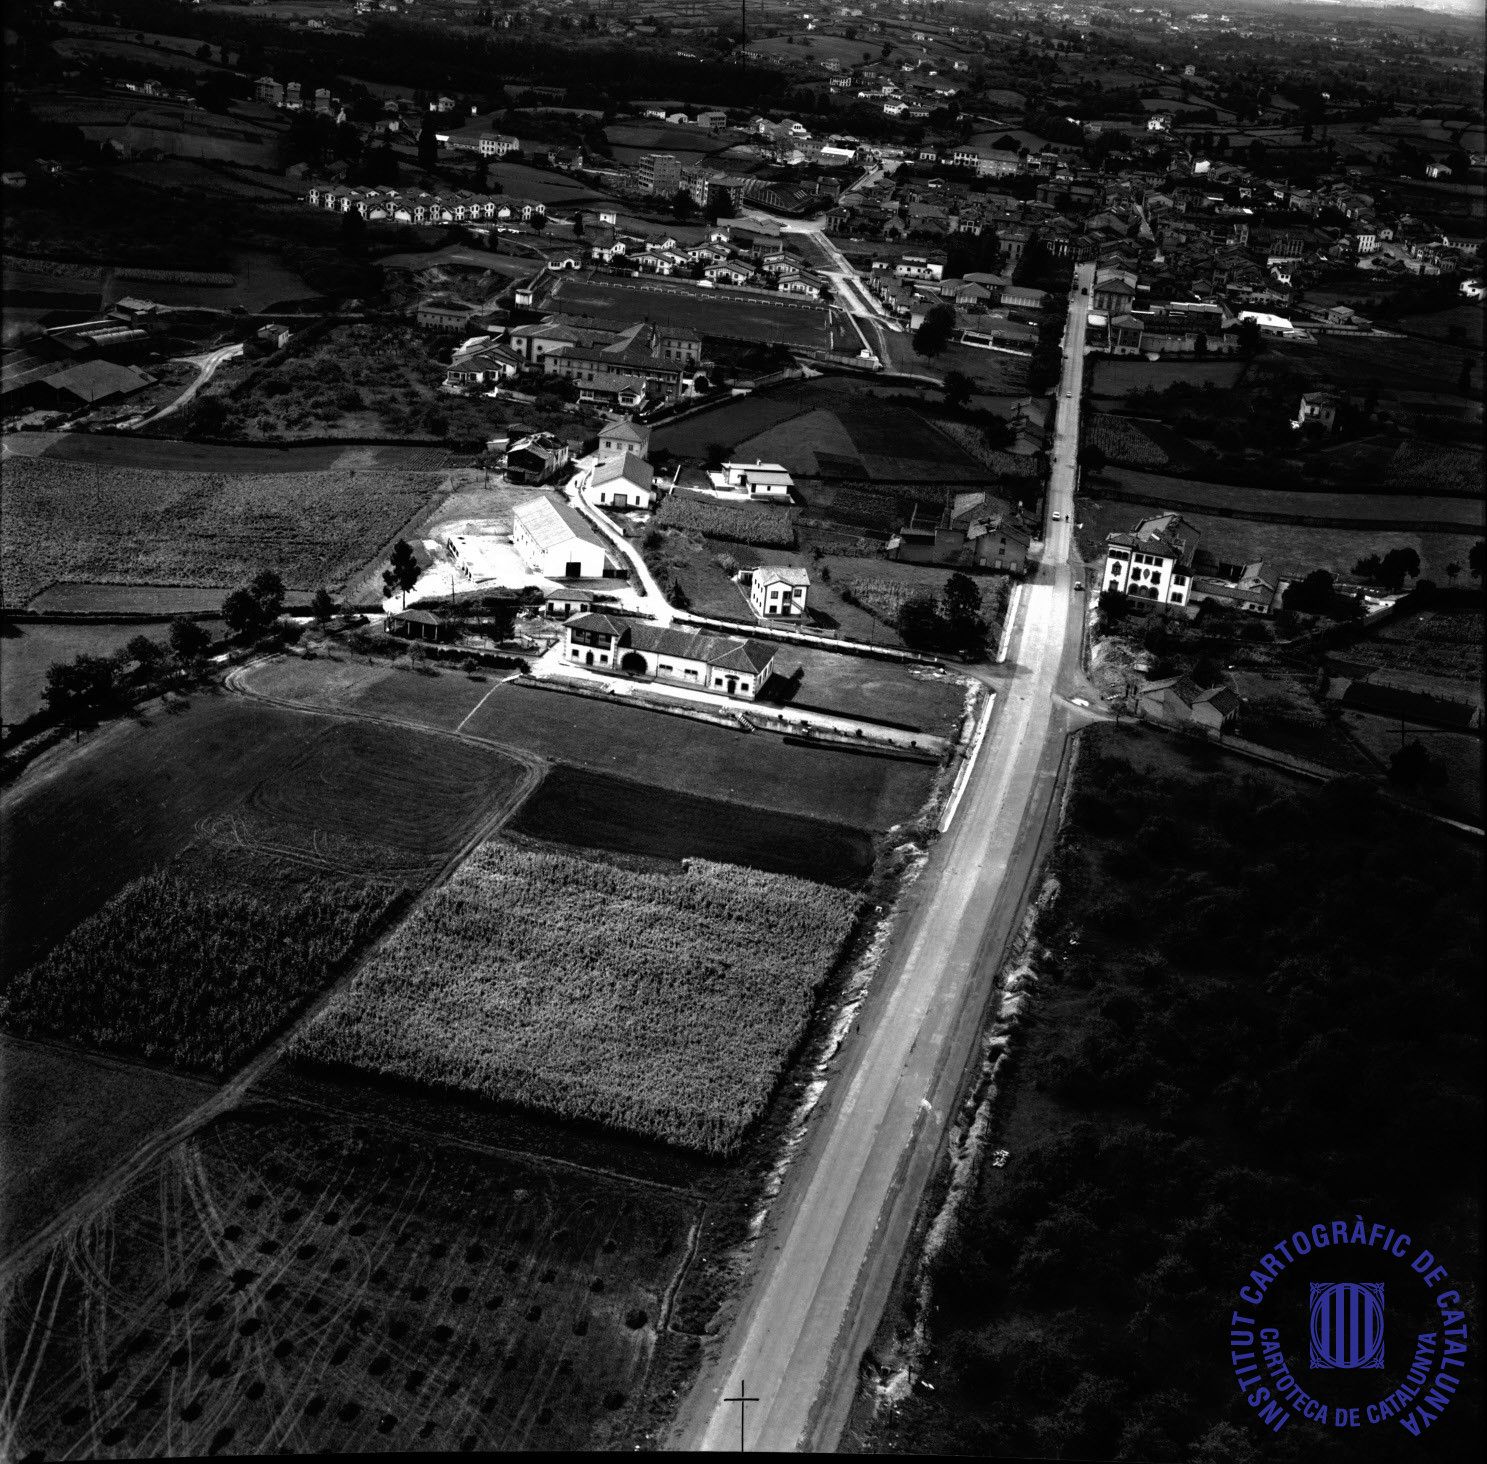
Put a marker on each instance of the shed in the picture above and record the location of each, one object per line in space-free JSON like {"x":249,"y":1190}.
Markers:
{"x":556,"y":541}
{"x":427,"y":625}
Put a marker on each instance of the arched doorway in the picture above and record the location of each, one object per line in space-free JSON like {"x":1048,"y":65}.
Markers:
{"x":588,"y":660}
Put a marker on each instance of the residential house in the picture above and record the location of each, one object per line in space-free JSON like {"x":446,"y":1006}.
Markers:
{"x":620,"y":482}
{"x":535,"y":459}
{"x":1178,"y":701}
{"x":722,"y":664}
{"x":758,"y":480}
{"x":1154,"y":561}
{"x":618,"y":437}
{"x":975,"y":530}
{"x":446,"y":316}
{"x":569,"y":600}
{"x":556,"y":541}
{"x":778,"y":591}
{"x":1319,"y":408}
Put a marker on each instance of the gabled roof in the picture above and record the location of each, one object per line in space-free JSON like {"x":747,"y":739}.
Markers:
{"x":625,"y":431}
{"x":782,"y":574}
{"x":627,"y":468}
{"x":551,"y":524}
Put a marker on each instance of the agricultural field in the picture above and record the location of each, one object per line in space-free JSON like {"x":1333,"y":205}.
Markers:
{"x":1288,"y":549}
{"x":82,"y":597}
{"x":877,"y":441}
{"x":1395,"y":365}
{"x":660,"y":1004}
{"x":769,"y":527}
{"x":1136,"y":444}
{"x":1453,"y":781}
{"x":75,"y":522}
{"x":668,"y":752}
{"x":1360,"y":510}
{"x":283,"y":1281}
{"x":1427,"y":466}
{"x":1434,"y":643}
{"x":600,"y":811}
{"x":27,"y":650}
{"x":760,"y":317}
{"x":198,"y":963}
{"x":158,"y":453}
{"x":994,"y":372}
{"x":240,"y":780}
{"x":357,"y":380}
{"x":1118,"y":376}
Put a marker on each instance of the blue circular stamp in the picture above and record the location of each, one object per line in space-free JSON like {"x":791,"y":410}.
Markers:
{"x":1349,"y":1324}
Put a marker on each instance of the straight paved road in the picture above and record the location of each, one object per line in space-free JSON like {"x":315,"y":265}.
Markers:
{"x":840,"y":1226}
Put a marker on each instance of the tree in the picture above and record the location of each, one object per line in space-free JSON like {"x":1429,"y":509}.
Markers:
{"x":958,"y":389}
{"x":683,"y":205}
{"x":76,"y":690}
{"x":1396,"y":564}
{"x":935,"y":331}
{"x":1409,"y":766}
{"x":146,"y":652}
{"x":962,"y":608}
{"x":428,"y":142}
{"x":919,"y":621}
{"x":243,"y":614}
{"x":323,"y":606}
{"x":268,"y":589}
{"x":353,"y":233}
{"x":1452,"y":570}
{"x":1370,"y":567}
{"x":678,"y":597}
{"x":1113,"y":606}
{"x":481,"y":178}
{"x":1313,"y":595}
{"x":1464,"y":380}
{"x":1248,"y":337}
{"x":402,"y":572}
{"x":1476,"y":559}
{"x":578,"y":223}
{"x":1094,"y":459}
{"x":188,"y":641}
{"x":538,"y":222}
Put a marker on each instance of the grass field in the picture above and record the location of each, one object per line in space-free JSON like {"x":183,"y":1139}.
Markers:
{"x":26,"y":651}
{"x":1402,"y":365}
{"x":240,"y":777}
{"x":601,"y":811}
{"x":766,"y":318}
{"x":876,"y":691}
{"x":1453,"y":782}
{"x":71,"y":521}
{"x":1288,"y":549}
{"x":668,"y":752}
{"x":660,"y":1004}
{"x":879,"y":441}
{"x":155,"y":454}
{"x":93,"y":598}
{"x":1358,"y":509}
{"x":293,"y":1283}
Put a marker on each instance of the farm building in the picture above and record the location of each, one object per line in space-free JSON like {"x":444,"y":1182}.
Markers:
{"x":709,"y":662}
{"x":426,"y":625}
{"x":618,"y":437}
{"x":622,"y":482}
{"x":535,"y":459}
{"x":555,"y":541}
{"x":778,"y":590}
{"x":568,"y":601}
{"x":758,"y":480}
{"x":1179,"y":701}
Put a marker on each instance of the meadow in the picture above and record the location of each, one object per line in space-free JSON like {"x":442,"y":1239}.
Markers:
{"x":157,"y":453}
{"x":302,"y":1283}
{"x":26,"y":651}
{"x":661,"y":1005}
{"x":72,"y":521}
{"x":601,"y":811}
{"x":1118,"y":376}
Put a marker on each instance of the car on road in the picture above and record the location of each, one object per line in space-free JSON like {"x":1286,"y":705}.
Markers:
{"x":1083,"y":291}
{"x":1079,"y":585}
{"x":1057,"y":517}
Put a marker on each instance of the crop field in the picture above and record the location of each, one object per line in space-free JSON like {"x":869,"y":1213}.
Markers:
{"x":281,"y":1282}
{"x":26,"y":651}
{"x":239,"y":779}
{"x":69,"y":521}
{"x":1113,"y":376}
{"x":1288,"y":549}
{"x":1423,"y":466}
{"x":198,"y":963}
{"x":157,"y":453}
{"x":1136,"y":444}
{"x":736,"y":317}
{"x":601,"y":811}
{"x":1435,"y":643}
{"x":1361,"y":510}
{"x":163,"y":601}
{"x":632,"y":742}
{"x":1394,"y":365}
{"x":663,"y":1005}
{"x":771,"y":527}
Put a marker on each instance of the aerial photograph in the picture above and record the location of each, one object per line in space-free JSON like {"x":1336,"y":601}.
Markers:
{"x":743,"y":727}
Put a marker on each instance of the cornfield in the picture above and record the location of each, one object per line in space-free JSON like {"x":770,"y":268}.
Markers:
{"x":1434,"y":468}
{"x":1123,"y":441}
{"x":191,"y":972}
{"x":73,"y":521}
{"x":882,"y":598}
{"x":662,"y":1004}
{"x":769,"y":528}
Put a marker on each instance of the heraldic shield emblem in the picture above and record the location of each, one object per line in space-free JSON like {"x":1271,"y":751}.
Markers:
{"x":1347,"y":1324}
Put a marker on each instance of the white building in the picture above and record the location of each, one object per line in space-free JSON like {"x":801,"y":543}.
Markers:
{"x":778,"y":590}
{"x":556,"y":541}
{"x":716,"y":663}
{"x":758,"y":480}
{"x":621,"y":482}
{"x":617,"y":437}
{"x":1154,"y":561}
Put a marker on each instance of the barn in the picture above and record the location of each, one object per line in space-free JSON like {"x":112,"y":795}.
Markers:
{"x":556,"y":541}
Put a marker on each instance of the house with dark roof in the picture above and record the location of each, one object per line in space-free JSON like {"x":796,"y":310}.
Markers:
{"x":1153,"y":561}
{"x":1178,"y":701}
{"x":716,"y":663}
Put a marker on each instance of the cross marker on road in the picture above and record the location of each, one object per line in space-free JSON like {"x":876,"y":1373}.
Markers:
{"x":743,"y":1401}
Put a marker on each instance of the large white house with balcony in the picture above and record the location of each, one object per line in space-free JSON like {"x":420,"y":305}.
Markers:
{"x":1153,"y":561}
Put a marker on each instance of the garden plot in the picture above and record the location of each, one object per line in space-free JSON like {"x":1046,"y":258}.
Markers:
{"x":663,"y":1005}
{"x":280,"y":1283}
{"x":73,"y":522}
